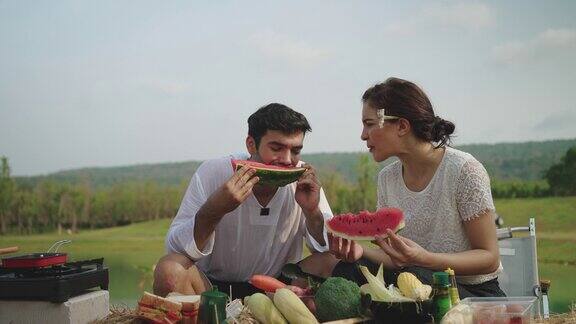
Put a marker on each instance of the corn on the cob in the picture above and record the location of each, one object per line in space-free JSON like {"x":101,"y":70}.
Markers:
{"x":411,"y":287}
{"x":263,"y":309}
{"x":292,"y":307}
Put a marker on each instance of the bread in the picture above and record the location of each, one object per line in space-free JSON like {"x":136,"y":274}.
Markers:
{"x":158,"y":309}
{"x":189,"y":302}
{"x":190,"y":306}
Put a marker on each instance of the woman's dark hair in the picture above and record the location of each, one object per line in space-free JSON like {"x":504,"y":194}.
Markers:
{"x":278,"y":117}
{"x":404,"y":99}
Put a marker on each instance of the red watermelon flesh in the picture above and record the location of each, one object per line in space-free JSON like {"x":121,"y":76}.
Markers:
{"x":366,"y":225}
{"x":257,"y":165}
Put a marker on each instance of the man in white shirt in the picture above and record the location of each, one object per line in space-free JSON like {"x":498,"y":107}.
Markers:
{"x":229,"y":227}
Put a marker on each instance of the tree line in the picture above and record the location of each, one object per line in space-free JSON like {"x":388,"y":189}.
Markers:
{"x":55,"y":205}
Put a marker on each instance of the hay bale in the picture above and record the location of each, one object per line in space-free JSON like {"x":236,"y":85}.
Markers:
{"x":564,"y":318}
{"x":120,"y":314}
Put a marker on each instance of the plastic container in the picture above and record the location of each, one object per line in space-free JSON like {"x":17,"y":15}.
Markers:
{"x":501,"y":310}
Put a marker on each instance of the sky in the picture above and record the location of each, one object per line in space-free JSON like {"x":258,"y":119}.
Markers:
{"x":109,"y":83}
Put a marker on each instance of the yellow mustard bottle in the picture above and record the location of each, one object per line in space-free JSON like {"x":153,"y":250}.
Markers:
{"x":454,"y":296}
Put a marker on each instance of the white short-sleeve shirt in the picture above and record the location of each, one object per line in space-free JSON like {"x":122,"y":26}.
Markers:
{"x":244,"y":242}
{"x":458,"y":192}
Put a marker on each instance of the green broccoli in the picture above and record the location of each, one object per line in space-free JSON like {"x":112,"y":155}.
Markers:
{"x":337,"y":298}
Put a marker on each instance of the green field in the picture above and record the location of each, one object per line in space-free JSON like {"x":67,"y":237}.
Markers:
{"x":556,"y":233}
{"x":131,"y":251}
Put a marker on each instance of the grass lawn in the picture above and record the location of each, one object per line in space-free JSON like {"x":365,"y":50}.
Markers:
{"x":556,"y":215}
{"x":131,"y":251}
{"x":556,"y":233}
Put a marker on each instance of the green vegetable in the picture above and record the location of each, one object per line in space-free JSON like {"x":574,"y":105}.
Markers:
{"x":337,"y":298}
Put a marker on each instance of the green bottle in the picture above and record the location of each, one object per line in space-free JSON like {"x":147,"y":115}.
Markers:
{"x":441,"y":291}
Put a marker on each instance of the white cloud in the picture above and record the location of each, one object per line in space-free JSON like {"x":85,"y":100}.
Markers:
{"x":542,"y":45}
{"x":557,"y":38}
{"x":467,"y":16}
{"x":557,"y":121}
{"x":472,"y":16}
{"x":512,"y":52}
{"x":166,"y":87}
{"x":172,"y":88}
{"x":279,"y":46}
{"x":403,"y":28}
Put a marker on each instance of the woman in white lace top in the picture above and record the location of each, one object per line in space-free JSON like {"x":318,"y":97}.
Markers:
{"x":444,"y":194}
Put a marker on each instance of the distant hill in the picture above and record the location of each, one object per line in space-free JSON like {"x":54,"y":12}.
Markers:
{"x":505,"y":161}
{"x":161,"y":173}
{"x":525,"y":161}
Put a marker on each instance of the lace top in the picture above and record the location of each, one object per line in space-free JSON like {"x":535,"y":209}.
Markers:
{"x":459,"y":191}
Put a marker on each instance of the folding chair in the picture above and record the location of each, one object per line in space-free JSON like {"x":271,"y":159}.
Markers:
{"x":520,"y":262}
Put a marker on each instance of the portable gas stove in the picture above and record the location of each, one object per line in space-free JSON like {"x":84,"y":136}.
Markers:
{"x":56,"y":282}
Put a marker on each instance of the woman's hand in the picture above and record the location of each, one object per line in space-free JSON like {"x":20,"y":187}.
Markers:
{"x":345,"y":250}
{"x":402,"y":251}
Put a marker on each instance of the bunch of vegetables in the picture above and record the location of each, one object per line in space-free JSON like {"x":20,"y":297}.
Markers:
{"x":284,"y":307}
{"x":336,"y":298}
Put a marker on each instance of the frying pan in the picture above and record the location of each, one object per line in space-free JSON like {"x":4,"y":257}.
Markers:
{"x":34,"y":260}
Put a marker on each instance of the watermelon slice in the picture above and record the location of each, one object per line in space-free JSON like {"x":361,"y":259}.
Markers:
{"x":271,"y":175}
{"x":366,"y":225}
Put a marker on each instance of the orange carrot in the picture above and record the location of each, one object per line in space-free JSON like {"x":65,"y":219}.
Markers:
{"x":266,"y":283}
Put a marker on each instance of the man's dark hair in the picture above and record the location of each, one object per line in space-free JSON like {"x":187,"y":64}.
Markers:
{"x":277,"y":117}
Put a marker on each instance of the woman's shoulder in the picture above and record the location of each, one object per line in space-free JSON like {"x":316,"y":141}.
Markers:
{"x":465,"y":167}
{"x":457,"y":159}
{"x":390,"y":169}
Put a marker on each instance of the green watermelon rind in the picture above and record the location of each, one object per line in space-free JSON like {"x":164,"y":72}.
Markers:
{"x":273,"y":177}
{"x":399,"y":227}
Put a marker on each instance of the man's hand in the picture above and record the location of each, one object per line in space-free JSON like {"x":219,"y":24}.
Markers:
{"x":345,"y":250}
{"x":235,"y":191}
{"x":308,"y":191}
{"x":224,"y":200}
{"x":308,"y":197}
